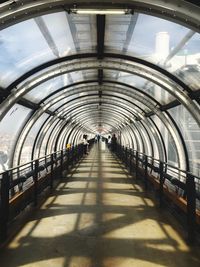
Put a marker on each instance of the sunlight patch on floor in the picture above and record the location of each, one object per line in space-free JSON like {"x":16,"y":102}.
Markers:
{"x":59,"y":262}
{"x":131,"y":228}
{"x":57,"y":225}
{"x":122,"y":200}
{"x":174,"y":235}
{"x":124,"y":262}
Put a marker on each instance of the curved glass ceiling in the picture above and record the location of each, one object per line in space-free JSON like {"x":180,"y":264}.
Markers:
{"x":51,"y":36}
{"x":150,"y":88}
{"x":170,"y":45}
{"x":70,"y":68}
{"x":43,"y":90}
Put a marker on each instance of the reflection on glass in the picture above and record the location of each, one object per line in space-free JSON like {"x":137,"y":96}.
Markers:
{"x":174,"y":47}
{"x":41,"y":147}
{"x":51,"y":36}
{"x":157,"y":92}
{"x":28,"y":144}
{"x":18,"y":55}
{"x":9,"y":130}
{"x":172,"y":156}
{"x":153,"y":136}
{"x":50,"y":86}
{"x":191,"y":134}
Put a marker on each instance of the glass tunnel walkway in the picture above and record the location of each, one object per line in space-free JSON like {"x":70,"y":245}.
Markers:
{"x":99,"y":215}
{"x":70,"y":69}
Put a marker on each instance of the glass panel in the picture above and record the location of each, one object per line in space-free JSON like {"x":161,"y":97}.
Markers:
{"x":43,"y":146}
{"x":53,"y":137}
{"x":71,"y":33}
{"x":145,"y":137}
{"x":116,"y":30}
{"x":83,"y":28}
{"x":91,"y":99}
{"x":28,"y":144}
{"x":51,"y":36}
{"x":57,"y":33}
{"x":153,"y":137}
{"x":191,"y":134}
{"x":43,"y":90}
{"x":61,"y":144}
{"x":42,"y":135}
{"x":125,"y":140}
{"x":152,"y":89}
{"x":9,"y":129}
{"x":185,"y":64}
{"x":174,"y":47}
{"x":40,"y":92}
{"x":115,"y":102}
{"x":139,"y":144}
{"x":67,"y":98}
{"x":168,"y":141}
{"x":134,"y":142}
{"x":90,"y":74}
{"x":18,"y":55}
{"x":134,"y":101}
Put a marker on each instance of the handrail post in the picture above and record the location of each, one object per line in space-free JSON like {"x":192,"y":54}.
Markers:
{"x":136,"y":164}
{"x":72,"y":157}
{"x":126,"y":157}
{"x":161,"y":166}
{"x":130,"y":161}
{"x":61,"y":163}
{"x":191,"y":206}
{"x":76,"y":154}
{"x":52,"y":171}
{"x":81,"y":148}
{"x":56,"y":165}
{"x":4,"y":205}
{"x":35,"y":178}
{"x":68,"y":157}
{"x":145,"y":172}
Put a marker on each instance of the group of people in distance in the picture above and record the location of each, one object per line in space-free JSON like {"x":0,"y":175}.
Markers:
{"x":112,"y":143}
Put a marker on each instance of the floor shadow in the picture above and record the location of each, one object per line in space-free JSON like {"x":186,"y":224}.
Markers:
{"x":98,"y":222}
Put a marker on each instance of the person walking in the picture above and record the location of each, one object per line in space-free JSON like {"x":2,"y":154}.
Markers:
{"x":113,"y":143}
{"x":85,"y":144}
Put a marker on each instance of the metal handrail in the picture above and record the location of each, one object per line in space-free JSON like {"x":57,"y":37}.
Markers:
{"x":165,"y":163}
{"x":190,"y":187}
{"x":28,"y":179}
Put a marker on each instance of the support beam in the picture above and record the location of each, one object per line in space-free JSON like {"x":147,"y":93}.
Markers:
{"x":100,"y":76}
{"x":100,"y":81}
{"x":3,"y":94}
{"x":196,"y":96}
{"x":180,"y":45}
{"x":172,"y":104}
{"x":90,"y":55}
{"x":47,"y":35}
{"x":149,"y":114}
{"x":130,"y":31}
{"x":28,"y":104}
{"x":100,"y":35}
{"x":100,"y":48}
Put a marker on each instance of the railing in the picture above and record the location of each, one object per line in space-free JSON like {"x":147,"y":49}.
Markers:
{"x":23,"y":185}
{"x":180,"y":186}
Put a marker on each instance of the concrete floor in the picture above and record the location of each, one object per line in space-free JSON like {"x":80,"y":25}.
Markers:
{"x":98,"y":218}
